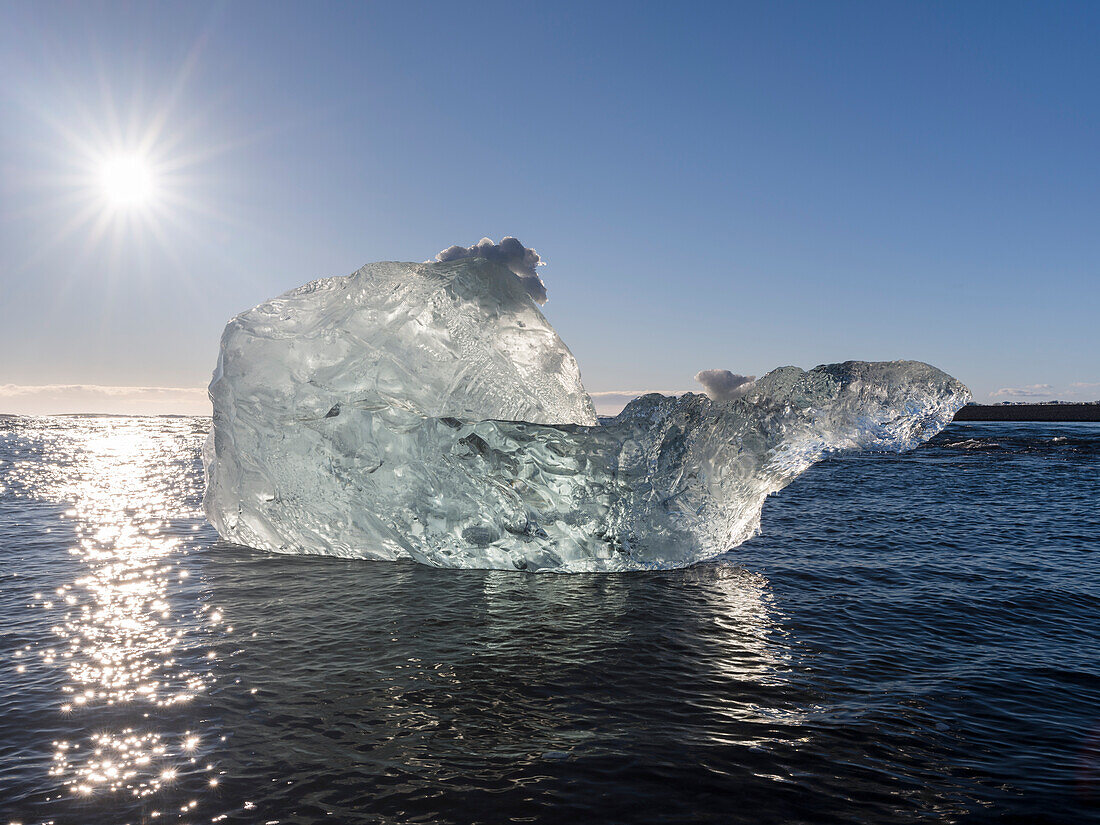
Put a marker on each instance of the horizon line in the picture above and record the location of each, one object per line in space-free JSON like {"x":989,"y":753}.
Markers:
{"x":133,"y":400}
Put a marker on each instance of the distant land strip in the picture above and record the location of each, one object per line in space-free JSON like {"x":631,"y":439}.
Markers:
{"x":1029,"y":412}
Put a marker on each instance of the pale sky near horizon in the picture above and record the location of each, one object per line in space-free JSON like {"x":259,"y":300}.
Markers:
{"x":713,"y":185}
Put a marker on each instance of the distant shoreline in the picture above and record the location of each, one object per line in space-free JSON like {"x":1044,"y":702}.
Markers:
{"x":1029,"y":412}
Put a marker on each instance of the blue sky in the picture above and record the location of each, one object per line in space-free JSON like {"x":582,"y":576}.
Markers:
{"x":721,"y":185}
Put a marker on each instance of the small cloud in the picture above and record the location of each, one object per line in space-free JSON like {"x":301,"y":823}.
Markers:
{"x":723,"y":385}
{"x":1026,"y":391}
{"x":510,"y":252}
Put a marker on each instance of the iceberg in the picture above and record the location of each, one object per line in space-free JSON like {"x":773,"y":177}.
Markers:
{"x":429,"y":412}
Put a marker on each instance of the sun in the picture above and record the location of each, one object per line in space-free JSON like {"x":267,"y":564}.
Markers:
{"x":127,"y":181}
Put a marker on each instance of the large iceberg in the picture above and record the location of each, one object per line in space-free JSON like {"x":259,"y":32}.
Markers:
{"x":430,"y":412}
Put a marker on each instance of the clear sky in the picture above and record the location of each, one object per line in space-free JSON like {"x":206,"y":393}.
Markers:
{"x":719,"y":185}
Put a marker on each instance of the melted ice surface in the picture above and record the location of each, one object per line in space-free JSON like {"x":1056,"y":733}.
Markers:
{"x":429,"y":412}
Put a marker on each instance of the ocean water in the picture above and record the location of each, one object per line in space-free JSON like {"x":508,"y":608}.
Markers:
{"x":913,"y":638}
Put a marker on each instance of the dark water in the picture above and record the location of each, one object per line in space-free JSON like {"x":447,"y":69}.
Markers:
{"x":913,"y":639}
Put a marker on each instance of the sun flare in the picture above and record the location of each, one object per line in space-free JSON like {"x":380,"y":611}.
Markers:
{"x":127,"y":181}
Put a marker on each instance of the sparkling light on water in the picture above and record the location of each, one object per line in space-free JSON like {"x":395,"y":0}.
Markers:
{"x":130,"y":646}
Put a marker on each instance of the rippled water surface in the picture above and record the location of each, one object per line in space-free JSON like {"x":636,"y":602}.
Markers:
{"x":913,"y":638}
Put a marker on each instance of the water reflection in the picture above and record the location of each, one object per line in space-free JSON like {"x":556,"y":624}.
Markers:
{"x":126,"y":634}
{"x":878,"y":687}
{"x":424,"y":689}
{"x":411,"y":682}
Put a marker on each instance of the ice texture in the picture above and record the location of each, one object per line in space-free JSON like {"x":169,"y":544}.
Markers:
{"x":460,"y":339}
{"x":430,"y":412}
